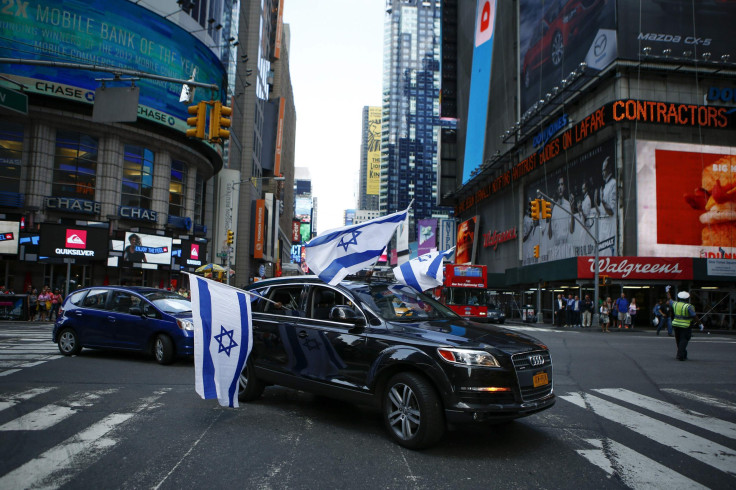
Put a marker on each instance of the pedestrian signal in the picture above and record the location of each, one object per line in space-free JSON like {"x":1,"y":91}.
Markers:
{"x":230,"y":237}
{"x":218,"y":121}
{"x":546,"y":209}
{"x":536,"y":251}
{"x":534,"y":205}
{"x":197,"y":122}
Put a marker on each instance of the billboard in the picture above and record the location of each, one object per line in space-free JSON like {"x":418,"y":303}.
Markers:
{"x":686,"y":200}
{"x":676,"y":25}
{"x":466,"y":240}
{"x":9,"y":237}
{"x":303,"y":208}
{"x":189,"y":253}
{"x":373,"y":152}
{"x":555,"y":36}
{"x":586,"y":187}
{"x":73,"y":242}
{"x":426,"y":236}
{"x":152,"y":249}
{"x":106,"y":33}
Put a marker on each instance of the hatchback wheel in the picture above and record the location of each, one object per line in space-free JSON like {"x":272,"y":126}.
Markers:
{"x":249,"y":387}
{"x":412,"y":411}
{"x":69,"y":342}
{"x":163,"y":349}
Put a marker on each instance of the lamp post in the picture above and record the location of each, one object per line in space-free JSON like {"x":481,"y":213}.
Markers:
{"x":231,"y":205}
{"x":596,"y":316}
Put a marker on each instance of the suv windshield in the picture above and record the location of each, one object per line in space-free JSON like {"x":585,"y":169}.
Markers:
{"x":169,"y":302}
{"x":396,"y":302}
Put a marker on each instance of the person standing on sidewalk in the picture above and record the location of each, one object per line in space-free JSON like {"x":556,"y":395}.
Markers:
{"x":559,"y":311}
{"x":605,"y":315}
{"x":587,"y":311}
{"x":666,"y":311}
{"x":685,"y":316}
{"x":621,"y":307}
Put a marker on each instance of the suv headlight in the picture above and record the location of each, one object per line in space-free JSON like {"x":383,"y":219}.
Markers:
{"x":468,"y":357}
{"x":185,"y":324}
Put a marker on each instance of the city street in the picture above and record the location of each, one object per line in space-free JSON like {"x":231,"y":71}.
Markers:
{"x":628,"y":415}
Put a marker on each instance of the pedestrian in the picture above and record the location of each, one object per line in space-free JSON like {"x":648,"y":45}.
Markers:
{"x":559,"y":310}
{"x":32,"y":303}
{"x":587,"y":310}
{"x":56,"y":300}
{"x":657,"y":321}
{"x":685,"y":316}
{"x":621,"y":309}
{"x":44,"y":304}
{"x":666,"y":311}
{"x":632,"y":313}
{"x":606,"y":315}
{"x":569,"y":311}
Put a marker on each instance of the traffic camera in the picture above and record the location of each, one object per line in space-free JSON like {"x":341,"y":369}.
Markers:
{"x":218,"y":121}
{"x":197,"y":122}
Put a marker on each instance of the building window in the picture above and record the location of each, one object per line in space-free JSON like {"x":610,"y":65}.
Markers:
{"x":75,"y":165}
{"x":137,"y":187}
{"x":178,"y":189}
{"x":11,"y":152}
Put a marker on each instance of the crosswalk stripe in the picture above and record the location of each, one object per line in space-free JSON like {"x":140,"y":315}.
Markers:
{"x":9,"y":371}
{"x":708,"y":400}
{"x":711,"y":424}
{"x":50,"y":415}
{"x":63,"y":462}
{"x":708,"y":452}
{"x":635,"y":470}
{"x":13,"y":400}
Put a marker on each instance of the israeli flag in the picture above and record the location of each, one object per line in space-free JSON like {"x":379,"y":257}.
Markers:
{"x":223,"y":338}
{"x":424,"y":272}
{"x":346,"y":250}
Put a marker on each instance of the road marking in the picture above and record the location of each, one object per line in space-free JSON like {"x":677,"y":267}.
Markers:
{"x":9,"y":371}
{"x":63,"y":462}
{"x":635,"y":470}
{"x":50,"y":415}
{"x":708,"y":400}
{"x":13,"y":400}
{"x":708,"y":452}
{"x":700,"y":420}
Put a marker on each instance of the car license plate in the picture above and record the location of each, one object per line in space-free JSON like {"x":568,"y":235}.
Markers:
{"x":540,"y":379}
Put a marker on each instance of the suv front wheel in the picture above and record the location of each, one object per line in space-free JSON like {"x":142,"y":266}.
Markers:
{"x":412,"y":411}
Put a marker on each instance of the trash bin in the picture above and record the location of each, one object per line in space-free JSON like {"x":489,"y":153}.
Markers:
{"x":527,"y":314}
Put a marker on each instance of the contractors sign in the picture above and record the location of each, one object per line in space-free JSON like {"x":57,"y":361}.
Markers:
{"x":647,"y":268}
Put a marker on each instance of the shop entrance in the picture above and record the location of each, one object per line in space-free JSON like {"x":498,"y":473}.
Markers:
{"x":56,"y":275}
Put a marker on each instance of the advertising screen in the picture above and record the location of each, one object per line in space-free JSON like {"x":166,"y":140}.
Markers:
{"x":555,"y":36}
{"x":73,"y":242}
{"x":585,"y":187}
{"x":466,"y":242}
{"x":686,"y":200}
{"x":146,"y":249}
{"x":303,"y":209}
{"x":9,"y":237}
{"x":426,"y":235}
{"x":189,"y":253}
{"x":373,"y":148}
{"x":110,"y":33}
{"x":677,"y":25}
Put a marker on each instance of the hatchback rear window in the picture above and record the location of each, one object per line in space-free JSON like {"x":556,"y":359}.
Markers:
{"x":77,"y":297}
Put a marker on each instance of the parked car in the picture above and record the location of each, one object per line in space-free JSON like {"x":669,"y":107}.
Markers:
{"x":385,"y":345}
{"x":495,"y":313}
{"x":561,"y":24}
{"x":127,"y":318}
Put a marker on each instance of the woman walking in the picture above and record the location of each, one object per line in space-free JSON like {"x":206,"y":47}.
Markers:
{"x":56,"y":300}
{"x":632,"y":313}
{"x":605,"y":315}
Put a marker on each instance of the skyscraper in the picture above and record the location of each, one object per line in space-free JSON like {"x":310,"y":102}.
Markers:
{"x":411,"y":124}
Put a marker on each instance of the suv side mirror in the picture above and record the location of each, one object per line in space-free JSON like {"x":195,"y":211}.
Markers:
{"x":346,"y":314}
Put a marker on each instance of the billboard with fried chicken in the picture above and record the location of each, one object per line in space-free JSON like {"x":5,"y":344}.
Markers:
{"x":686,"y":197}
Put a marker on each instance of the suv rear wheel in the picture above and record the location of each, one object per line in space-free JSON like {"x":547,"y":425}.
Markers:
{"x":249,"y":387}
{"x":412,"y":411}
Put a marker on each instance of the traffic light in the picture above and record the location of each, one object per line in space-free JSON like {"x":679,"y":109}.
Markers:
{"x":536,"y":251}
{"x":197,"y":122}
{"x":219,"y":120}
{"x":534,"y":204}
{"x":230,"y":237}
{"x":546,"y":209}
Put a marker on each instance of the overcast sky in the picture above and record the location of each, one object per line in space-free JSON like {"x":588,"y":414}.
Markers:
{"x":336,"y":62}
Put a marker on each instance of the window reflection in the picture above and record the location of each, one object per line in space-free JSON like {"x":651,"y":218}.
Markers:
{"x":75,"y":165}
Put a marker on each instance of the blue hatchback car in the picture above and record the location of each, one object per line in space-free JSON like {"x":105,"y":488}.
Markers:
{"x":126,"y":318}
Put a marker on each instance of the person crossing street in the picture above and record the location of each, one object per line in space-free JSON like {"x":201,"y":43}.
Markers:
{"x":682,"y":324}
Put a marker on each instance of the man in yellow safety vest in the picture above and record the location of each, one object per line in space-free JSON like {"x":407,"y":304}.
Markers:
{"x":683,"y":322}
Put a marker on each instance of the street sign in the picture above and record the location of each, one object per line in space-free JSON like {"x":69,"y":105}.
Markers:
{"x":15,"y":101}
{"x":222,"y":254}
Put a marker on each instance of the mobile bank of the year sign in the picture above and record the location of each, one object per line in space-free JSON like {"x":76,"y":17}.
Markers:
{"x":110,"y":33}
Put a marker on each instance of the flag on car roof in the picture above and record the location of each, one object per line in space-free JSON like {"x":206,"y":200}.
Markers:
{"x":222,"y":338}
{"x":423,"y":272}
{"x":342,"y":251}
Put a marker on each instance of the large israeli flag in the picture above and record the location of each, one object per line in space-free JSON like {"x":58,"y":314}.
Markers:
{"x":222,"y":338}
{"x":342,"y":251}
{"x":424,"y":272}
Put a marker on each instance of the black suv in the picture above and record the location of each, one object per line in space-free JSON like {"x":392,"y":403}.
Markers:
{"x":383,"y":344}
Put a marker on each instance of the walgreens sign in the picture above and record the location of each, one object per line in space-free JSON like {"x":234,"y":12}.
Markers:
{"x":637,"y":267}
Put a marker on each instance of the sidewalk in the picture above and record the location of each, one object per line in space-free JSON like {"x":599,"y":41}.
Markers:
{"x":637,"y":328}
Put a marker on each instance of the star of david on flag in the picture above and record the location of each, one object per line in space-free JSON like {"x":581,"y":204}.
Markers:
{"x":424,"y":272}
{"x":342,"y":251}
{"x":223,"y":338}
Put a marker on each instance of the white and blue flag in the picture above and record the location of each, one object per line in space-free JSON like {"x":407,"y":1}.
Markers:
{"x":223,"y":338}
{"x":424,"y":272}
{"x":346,"y":250}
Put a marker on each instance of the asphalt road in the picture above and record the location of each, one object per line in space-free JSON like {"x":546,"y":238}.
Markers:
{"x":628,"y":416}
